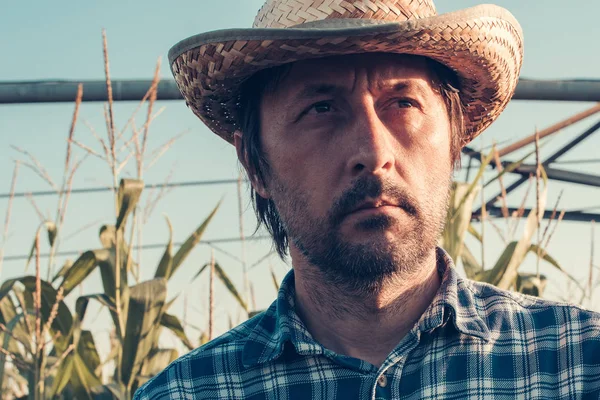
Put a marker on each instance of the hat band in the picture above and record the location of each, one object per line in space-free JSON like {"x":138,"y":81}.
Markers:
{"x":340,"y":23}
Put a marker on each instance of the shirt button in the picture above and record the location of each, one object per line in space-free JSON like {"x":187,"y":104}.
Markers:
{"x":382,"y":381}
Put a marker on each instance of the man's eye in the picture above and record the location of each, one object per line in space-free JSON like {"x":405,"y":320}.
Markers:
{"x":321,"y":107}
{"x":405,"y":104}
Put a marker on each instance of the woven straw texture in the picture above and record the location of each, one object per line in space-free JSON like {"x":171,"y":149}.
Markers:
{"x":483,"y":45}
{"x":285,"y":14}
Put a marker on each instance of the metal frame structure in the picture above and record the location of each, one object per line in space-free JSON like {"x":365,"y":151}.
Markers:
{"x":569,"y":90}
{"x":527,"y":170}
{"x":134,"y":90}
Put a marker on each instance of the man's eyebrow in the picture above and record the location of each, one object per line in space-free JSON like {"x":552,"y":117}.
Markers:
{"x":401,"y":86}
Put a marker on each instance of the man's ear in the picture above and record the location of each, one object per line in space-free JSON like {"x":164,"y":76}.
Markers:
{"x":257,"y":184}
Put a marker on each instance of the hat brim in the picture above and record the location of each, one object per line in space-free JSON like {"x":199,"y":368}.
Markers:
{"x":482,"y":44}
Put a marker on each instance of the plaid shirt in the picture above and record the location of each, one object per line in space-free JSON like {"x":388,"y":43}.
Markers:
{"x":474,"y":341}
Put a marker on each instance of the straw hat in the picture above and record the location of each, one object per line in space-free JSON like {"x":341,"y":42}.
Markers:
{"x":482,"y":44}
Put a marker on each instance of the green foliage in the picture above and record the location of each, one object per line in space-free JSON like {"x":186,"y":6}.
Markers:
{"x":75,"y":368}
{"x":505,"y":272}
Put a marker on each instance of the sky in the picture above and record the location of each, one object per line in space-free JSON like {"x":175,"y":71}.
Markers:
{"x":62,"y":40}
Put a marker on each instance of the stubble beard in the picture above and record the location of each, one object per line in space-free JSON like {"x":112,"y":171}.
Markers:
{"x":362,"y":268}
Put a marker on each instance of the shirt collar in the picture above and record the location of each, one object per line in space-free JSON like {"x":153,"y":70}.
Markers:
{"x":454,"y":301}
{"x":280,"y":323}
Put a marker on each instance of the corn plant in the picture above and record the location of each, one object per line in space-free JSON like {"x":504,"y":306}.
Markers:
{"x":505,"y":273}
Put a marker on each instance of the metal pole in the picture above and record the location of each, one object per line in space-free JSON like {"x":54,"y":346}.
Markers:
{"x":561,"y":175}
{"x":573,"y":143}
{"x":569,"y":215}
{"x":550,"y":130}
{"x":65,"y":91}
{"x":565,"y":90}
{"x":134,"y":90}
{"x":548,"y":161}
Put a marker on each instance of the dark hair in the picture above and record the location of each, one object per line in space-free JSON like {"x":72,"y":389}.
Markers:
{"x":267,"y":81}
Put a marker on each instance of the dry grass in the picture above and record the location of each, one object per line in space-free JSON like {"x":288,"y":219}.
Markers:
{"x":11,"y":198}
{"x":483,"y":219}
{"x":211,"y":297}
{"x":591,"y":273}
{"x":501,"y":182}
{"x":242,"y":237}
{"x":36,"y":167}
{"x":539,"y":213}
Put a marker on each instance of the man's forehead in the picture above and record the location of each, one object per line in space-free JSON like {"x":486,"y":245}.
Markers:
{"x":381,"y":70}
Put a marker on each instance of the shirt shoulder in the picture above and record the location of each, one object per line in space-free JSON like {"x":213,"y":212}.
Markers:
{"x":200,"y":366}
{"x":505,"y":310}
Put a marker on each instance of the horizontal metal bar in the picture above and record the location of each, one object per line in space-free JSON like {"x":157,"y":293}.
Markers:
{"x":152,"y":246}
{"x":134,"y":90}
{"x":576,"y":216}
{"x":166,"y":185}
{"x":561,"y":90}
{"x":561,"y":175}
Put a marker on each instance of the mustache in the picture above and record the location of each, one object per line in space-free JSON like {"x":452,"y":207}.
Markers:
{"x":371,"y":187}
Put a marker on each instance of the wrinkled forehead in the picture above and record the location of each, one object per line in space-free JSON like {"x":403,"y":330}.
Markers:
{"x":369,"y":70}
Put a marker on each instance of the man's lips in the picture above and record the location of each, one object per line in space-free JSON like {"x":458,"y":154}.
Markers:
{"x":373,"y":206}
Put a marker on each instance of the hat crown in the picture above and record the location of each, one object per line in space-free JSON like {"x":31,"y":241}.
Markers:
{"x":289,"y":13}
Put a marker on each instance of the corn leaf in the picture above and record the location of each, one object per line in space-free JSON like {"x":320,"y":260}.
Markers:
{"x":511,"y":167}
{"x":169,"y":303}
{"x":127,"y":198}
{"x":63,"y":376}
{"x":494,"y":275}
{"x":6,"y":339}
{"x":63,"y":321}
{"x":190,"y":243}
{"x":461,"y":207}
{"x":203,"y":339}
{"x":10,"y":316}
{"x":275,"y":281}
{"x":108,"y":275}
{"x":172,"y":323}
{"x":25,"y":300}
{"x":146,"y":302}
{"x":86,"y":349}
{"x":83,"y":381}
{"x":107,"y":236}
{"x":83,"y":267}
{"x":63,"y":270}
{"x":202,"y":268}
{"x":531,"y":285}
{"x":253,"y":314}
{"x":117,"y":390}
{"x":226,"y":281}
{"x":484,"y":163}
{"x":546,"y":257}
{"x":158,"y":360}
{"x":166,"y":262}
{"x":470,"y":265}
{"x":230,"y":286}
{"x":81,"y":369}
{"x":474,"y":233}
{"x":52,"y":232}
{"x":82,"y":303}
{"x":522,"y":248}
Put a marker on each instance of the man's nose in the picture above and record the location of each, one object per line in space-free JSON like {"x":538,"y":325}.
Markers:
{"x":372,"y":143}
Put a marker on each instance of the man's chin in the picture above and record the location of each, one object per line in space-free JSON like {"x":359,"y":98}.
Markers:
{"x":375,"y":229}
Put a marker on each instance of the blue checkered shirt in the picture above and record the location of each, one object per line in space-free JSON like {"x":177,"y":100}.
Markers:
{"x":473,"y":342}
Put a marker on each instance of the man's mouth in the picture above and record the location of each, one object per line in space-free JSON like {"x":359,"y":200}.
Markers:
{"x":373,"y":206}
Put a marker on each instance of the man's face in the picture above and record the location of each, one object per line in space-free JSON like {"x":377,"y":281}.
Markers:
{"x":360,"y":165}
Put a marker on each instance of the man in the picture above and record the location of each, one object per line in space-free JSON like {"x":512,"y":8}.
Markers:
{"x":349,"y":117}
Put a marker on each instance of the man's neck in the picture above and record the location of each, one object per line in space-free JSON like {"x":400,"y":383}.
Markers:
{"x":367,"y":328}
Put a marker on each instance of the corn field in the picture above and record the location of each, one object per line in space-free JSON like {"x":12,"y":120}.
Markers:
{"x":45,"y":352}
